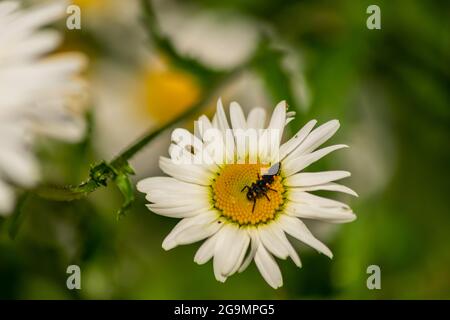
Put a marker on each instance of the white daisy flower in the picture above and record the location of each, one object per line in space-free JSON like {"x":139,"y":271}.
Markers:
{"x":38,"y":94}
{"x":213,"y":200}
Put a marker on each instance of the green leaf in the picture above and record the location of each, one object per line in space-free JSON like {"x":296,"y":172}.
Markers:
{"x":101,"y":172}
{"x":124,"y":184}
{"x":16,"y":219}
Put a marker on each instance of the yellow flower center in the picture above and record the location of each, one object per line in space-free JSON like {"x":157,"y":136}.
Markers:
{"x":230,"y":198}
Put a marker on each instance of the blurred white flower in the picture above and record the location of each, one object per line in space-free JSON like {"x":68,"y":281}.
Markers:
{"x":219,"y":39}
{"x":373,"y":157}
{"x":39,"y":94}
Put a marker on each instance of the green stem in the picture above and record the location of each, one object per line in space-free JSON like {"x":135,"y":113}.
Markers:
{"x":66,"y":193}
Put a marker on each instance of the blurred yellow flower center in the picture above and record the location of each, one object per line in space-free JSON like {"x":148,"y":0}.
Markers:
{"x":90,"y":4}
{"x":168,"y":93}
{"x":233,"y":202}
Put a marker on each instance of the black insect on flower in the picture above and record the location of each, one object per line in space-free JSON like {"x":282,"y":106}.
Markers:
{"x":260,"y":188}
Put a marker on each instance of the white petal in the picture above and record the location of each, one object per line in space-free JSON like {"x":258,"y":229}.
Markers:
{"x":237,"y":116}
{"x":36,"y":17}
{"x":256,"y":118}
{"x":272,"y":243}
{"x":162,"y":188}
{"x":169,"y":185}
{"x":198,"y":232}
{"x":294,"y":165}
{"x":178,"y":212}
{"x":206,"y":250}
{"x":62,"y":125}
{"x":219,"y":246}
{"x":40,"y":43}
{"x":202,"y":125}
{"x":333,"y":215}
{"x":316,"y":138}
{"x":202,"y":219}
{"x":188,"y":173}
{"x":268,"y":268}
{"x":253,"y":247}
{"x":279,"y":233}
{"x":201,"y":157}
{"x":315,"y":178}
{"x":165,"y":194}
{"x":19,"y":165}
{"x":292,"y":143}
{"x":236,"y":252}
{"x":289,"y":117}
{"x":230,"y":249}
{"x":239,"y":261}
{"x":277,"y":122}
{"x":7,"y":7}
{"x":298,"y":230}
{"x":298,"y":196}
{"x":222,"y":124}
{"x":167,"y":200}
{"x":243,"y":144}
{"x":185,"y":138}
{"x":329,"y":187}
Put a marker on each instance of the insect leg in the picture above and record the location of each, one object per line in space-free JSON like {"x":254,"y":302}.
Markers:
{"x":267,"y":197}
{"x":245,"y":187}
{"x":254,"y":203}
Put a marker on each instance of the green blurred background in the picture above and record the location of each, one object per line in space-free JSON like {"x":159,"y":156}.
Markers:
{"x":389,"y":88}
